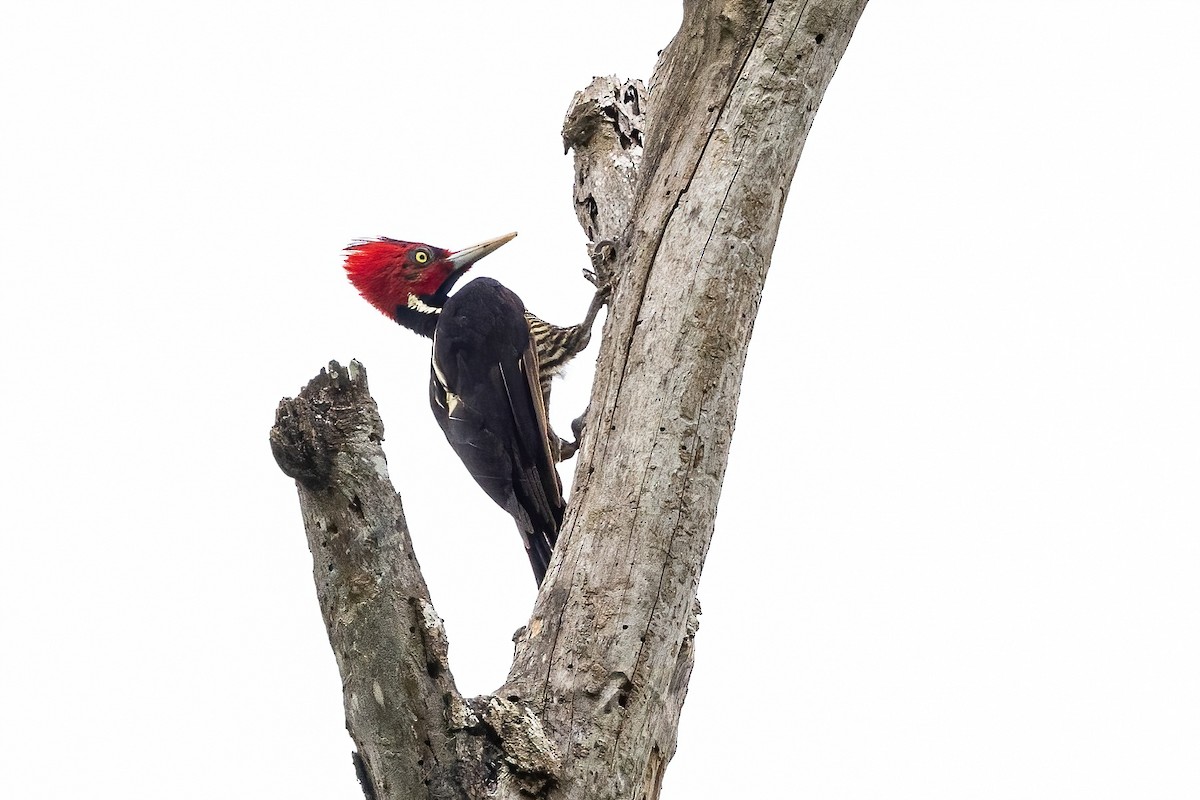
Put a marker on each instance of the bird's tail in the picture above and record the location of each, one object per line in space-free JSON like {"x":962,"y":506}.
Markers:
{"x":539,"y":545}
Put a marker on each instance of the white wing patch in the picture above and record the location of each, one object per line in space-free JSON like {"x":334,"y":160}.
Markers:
{"x":441,"y":376}
{"x":452,"y":400}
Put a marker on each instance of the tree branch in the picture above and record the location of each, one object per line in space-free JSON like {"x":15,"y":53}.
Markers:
{"x":592,"y":702}
{"x":388,"y":640}
{"x":605,"y":126}
{"x":607,"y":653}
{"x":415,"y":734}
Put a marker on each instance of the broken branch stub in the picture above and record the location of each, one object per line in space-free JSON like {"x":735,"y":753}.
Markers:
{"x":605,"y":126}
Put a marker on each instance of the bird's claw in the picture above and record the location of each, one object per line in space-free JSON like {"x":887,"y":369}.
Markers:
{"x":567,"y":449}
{"x":604,"y":258}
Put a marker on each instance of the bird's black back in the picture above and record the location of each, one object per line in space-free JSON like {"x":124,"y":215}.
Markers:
{"x":484,"y":391}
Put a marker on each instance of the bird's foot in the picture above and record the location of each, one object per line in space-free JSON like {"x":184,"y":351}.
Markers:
{"x":602,"y":274}
{"x":567,"y":449}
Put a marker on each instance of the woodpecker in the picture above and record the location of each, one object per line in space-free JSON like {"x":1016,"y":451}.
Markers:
{"x":490,"y":372}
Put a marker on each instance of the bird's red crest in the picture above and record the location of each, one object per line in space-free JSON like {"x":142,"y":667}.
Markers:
{"x":387,"y":272}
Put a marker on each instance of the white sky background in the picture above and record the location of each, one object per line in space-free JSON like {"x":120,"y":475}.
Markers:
{"x":959,"y":540}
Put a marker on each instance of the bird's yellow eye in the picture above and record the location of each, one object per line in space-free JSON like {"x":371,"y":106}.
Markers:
{"x":421,"y":256}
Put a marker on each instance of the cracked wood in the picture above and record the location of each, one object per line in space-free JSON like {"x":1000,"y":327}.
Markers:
{"x":689,"y":178}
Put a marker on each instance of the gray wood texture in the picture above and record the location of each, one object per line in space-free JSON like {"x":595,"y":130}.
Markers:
{"x":688,"y":179}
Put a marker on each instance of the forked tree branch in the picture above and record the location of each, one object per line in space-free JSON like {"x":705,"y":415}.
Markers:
{"x":591,"y":705}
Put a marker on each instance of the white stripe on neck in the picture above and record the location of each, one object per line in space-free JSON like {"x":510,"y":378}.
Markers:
{"x":417,"y":304}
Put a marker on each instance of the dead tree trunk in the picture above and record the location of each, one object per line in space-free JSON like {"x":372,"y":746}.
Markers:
{"x":591,"y":705}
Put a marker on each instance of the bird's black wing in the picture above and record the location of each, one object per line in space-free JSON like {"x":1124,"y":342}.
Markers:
{"x":484,"y":391}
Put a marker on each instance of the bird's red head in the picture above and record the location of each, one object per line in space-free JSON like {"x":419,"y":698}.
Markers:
{"x":392,"y":274}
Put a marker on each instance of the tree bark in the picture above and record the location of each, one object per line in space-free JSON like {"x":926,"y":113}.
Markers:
{"x":689,"y":180}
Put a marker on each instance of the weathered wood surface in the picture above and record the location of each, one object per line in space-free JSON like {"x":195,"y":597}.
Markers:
{"x":387,"y":639}
{"x":689,"y":180}
{"x":416,"y":736}
{"x":608,"y":651}
{"x":605,"y":126}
